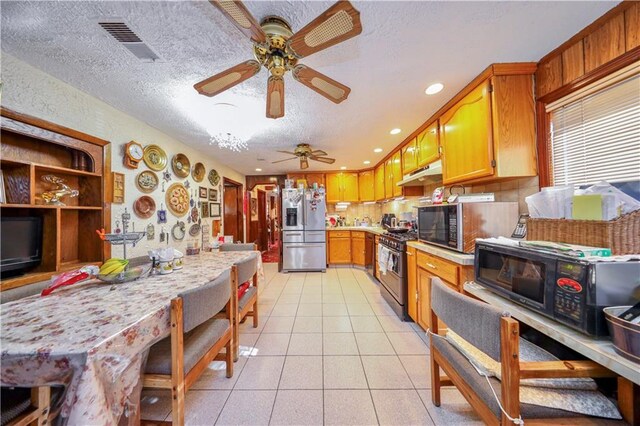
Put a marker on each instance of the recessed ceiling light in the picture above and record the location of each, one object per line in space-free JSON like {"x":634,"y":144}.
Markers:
{"x":377,"y":150}
{"x":395,"y":131}
{"x":343,"y":168}
{"x":434,"y":88}
{"x":366,"y":162}
{"x":258,"y":170}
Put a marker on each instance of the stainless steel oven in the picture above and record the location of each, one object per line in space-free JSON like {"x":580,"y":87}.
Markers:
{"x":394,"y":281}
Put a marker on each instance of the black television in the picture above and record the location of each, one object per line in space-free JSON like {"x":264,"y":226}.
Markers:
{"x":20,"y":244}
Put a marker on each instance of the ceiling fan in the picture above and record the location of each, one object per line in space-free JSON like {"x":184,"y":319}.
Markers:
{"x":278,"y":49}
{"x":305,"y":153}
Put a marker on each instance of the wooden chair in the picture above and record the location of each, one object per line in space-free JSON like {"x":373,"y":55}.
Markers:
{"x":198,"y":335}
{"x":497,"y":335}
{"x":24,"y":406}
{"x":247,"y":270}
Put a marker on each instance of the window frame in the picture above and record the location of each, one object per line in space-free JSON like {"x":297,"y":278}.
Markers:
{"x":543,"y":121}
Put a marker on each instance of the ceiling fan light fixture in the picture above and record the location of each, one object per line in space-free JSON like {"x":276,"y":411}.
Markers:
{"x":434,"y":88}
{"x":228,"y":141}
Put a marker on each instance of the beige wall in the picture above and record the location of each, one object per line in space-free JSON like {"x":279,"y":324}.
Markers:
{"x":30,"y":91}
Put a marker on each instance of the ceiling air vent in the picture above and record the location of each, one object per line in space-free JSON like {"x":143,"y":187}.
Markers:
{"x":122,"y":33}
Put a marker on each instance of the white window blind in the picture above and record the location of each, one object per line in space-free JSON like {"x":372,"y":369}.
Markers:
{"x":597,"y":137}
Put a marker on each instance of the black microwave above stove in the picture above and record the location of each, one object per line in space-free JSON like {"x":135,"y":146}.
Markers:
{"x":570,"y":290}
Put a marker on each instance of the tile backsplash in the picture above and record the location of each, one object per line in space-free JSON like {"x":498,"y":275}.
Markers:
{"x":511,"y":190}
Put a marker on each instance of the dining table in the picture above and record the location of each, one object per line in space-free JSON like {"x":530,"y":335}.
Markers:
{"x":93,"y":338}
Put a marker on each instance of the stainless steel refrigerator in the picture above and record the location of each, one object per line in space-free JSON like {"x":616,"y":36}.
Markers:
{"x":304,"y":245}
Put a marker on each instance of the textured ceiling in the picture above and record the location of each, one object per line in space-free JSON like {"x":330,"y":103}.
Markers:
{"x":404,"y":47}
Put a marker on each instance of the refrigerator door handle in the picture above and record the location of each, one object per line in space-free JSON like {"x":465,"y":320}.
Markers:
{"x":304,"y":211}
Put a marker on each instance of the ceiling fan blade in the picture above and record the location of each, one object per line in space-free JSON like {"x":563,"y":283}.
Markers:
{"x":228,"y":78}
{"x":287,"y":152}
{"x":275,"y":97}
{"x":337,"y":24}
{"x":323,"y":159}
{"x":320,"y":83}
{"x":237,"y":13}
{"x":318,"y":152}
{"x":286,"y":159}
{"x":304,"y":164}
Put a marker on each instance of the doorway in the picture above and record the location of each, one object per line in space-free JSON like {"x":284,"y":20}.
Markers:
{"x":233,"y":211}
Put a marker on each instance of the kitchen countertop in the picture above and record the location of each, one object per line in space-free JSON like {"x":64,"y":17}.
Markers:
{"x":453,"y":256}
{"x":373,"y":229}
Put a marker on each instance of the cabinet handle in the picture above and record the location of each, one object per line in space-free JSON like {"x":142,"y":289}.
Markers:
{"x":409,"y":254}
{"x":431,"y":265}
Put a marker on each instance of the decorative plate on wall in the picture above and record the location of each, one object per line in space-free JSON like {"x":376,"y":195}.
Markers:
{"x":144,"y":207}
{"x":198,"y":172}
{"x":177,"y":199}
{"x":155,"y":158}
{"x":181,"y":165}
{"x":214,"y":177}
{"x":178,"y":231}
{"x":147,"y":181}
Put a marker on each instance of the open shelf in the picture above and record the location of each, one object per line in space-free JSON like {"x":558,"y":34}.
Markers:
{"x":32,"y":148}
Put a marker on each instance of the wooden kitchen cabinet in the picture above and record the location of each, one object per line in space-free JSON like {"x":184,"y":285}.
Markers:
{"x":333,"y":188}
{"x":342,"y":187}
{"x":428,"y":145}
{"x":379,"y":183}
{"x":350,"y":191}
{"x":366,"y":186}
{"x":409,"y":157}
{"x":339,"y":247}
{"x":396,"y":175}
{"x":317,"y":178}
{"x":388,"y":178}
{"x":490,"y":133}
{"x":357,"y":248}
{"x":428,"y":266}
{"x":466,"y":137}
{"x":412,"y":280}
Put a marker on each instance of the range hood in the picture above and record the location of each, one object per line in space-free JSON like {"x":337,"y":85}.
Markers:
{"x":431,"y":173}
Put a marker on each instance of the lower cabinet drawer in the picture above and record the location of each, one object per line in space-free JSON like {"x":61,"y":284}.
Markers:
{"x":439,"y":267}
{"x":339,"y":234}
{"x":357,"y":234}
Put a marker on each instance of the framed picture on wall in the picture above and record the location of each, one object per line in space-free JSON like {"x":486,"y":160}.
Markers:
{"x":202,"y":192}
{"x":254,"y":209}
{"x":205,"y":209}
{"x":214,"y":209}
{"x":213,"y":195}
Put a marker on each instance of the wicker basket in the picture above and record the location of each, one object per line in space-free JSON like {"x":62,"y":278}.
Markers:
{"x":621,"y":235}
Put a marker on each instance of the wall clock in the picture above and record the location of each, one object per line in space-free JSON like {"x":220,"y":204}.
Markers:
{"x":133,"y":154}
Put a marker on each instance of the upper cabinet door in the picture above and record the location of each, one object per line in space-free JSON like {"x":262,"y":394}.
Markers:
{"x":427,"y":144}
{"x":350,"y":187}
{"x":334,"y":188}
{"x":366,"y":186}
{"x":397,"y":174}
{"x":315,"y":178}
{"x":295,"y":177}
{"x":380,"y":180}
{"x":409,"y":157}
{"x":466,"y":137}
{"x":388,"y":178}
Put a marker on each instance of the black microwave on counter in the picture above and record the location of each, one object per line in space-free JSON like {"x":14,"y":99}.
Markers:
{"x":572,"y":291}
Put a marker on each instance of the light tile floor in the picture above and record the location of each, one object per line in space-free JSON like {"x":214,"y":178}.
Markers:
{"x":328,"y":350}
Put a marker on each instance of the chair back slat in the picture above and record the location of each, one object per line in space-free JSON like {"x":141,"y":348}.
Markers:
{"x":476,"y":322}
{"x":202,"y":303}
{"x":247,"y":268}
{"x":236,"y":247}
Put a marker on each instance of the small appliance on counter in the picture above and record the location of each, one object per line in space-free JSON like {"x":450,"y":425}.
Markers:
{"x":456,"y":226}
{"x":388,"y":220}
{"x":570,"y":290}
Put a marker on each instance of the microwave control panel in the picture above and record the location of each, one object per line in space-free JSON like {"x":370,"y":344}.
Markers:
{"x":453,"y":229}
{"x":570,"y":291}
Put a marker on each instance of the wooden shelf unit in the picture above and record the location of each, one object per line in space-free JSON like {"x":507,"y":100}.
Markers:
{"x":32,"y":148}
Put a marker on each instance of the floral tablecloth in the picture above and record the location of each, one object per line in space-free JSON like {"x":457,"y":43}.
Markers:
{"x":94,"y":340}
